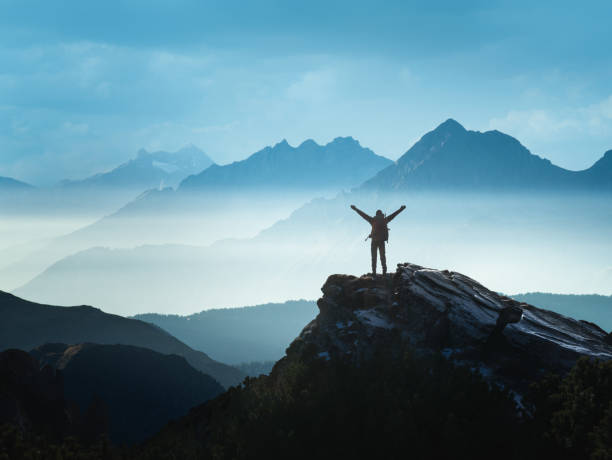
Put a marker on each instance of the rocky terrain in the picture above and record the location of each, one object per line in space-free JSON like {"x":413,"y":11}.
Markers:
{"x":507,"y":341}
{"x":421,"y":363}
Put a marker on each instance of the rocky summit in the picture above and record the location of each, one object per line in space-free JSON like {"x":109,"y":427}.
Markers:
{"x":421,"y":363}
{"x":508,"y":342}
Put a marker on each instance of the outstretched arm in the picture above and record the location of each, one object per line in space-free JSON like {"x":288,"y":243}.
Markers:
{"x":390,"y":217}
{"x":361,"y":213}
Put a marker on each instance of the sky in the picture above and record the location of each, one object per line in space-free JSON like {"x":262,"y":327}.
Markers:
{"x":84,"y":85}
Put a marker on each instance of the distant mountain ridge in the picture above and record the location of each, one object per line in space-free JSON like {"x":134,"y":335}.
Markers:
{"x":10,"y":184}
{"x":240,"y":335}
{"x":149,"y":170}
{"x":340,"y":164}
{"x":262,"y":189}
{"x":451,"y":157}
{"x":26,"y":325}
{"x":592,"y":307}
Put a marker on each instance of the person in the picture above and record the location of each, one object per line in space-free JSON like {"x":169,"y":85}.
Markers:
{"x":379,"y":234}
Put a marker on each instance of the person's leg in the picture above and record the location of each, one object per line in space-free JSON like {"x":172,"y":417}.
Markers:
{"x":383,"y":257}
{"x":373,"y":247}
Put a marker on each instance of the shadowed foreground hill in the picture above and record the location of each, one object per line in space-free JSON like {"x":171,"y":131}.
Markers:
{"x":421,"y":364}
{"x":26,"y":325}
{"x":31,"y":396}
{"x":135,"y":391}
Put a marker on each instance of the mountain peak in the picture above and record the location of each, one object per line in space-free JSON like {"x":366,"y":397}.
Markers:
{"x":348,"y":140}
{"x":308,"y":143}
{"x":450,"y":125}
{"x":340,"y":164}
{"x":440,"y":310}
{"x":282,"y":144}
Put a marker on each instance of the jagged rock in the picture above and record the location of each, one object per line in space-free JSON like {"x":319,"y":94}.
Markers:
{"x":510,"y":342}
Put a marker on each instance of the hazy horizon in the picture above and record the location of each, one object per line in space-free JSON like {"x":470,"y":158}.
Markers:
{"x":84,"y":88}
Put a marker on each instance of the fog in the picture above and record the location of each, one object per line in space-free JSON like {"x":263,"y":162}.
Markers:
{"x":35,"y":235}
{"x":185,"y":255}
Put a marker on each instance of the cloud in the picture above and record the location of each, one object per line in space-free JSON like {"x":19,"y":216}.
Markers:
{"x":226,"y":127}
{"x":108,"y":78}
{"x":591,"y":119}
{"x":313,"y":86}
{"x":75,"y":128}
{"x":582,"y":126}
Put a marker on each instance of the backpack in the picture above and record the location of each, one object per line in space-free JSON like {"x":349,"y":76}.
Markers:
{"x":380,"y":231}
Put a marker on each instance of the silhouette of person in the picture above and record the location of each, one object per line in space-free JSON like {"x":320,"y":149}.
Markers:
{"x":379,"y":234}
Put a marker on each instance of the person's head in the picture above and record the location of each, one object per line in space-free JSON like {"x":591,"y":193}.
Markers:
{"x":379,"y":213}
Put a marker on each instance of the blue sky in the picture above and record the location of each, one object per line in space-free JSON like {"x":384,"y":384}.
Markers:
{"x":84,"y":85}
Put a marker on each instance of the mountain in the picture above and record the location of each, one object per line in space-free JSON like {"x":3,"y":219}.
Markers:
{"x":148,"y":170}
{"x":262,"y":189}
{"x":239,"y":335}
{"x":451,"y":157}
{"x":137,"y":389}
{"x":183,"y":278}
{"x":342,"y":163}
{"x":594,"y":308}
{"x":26,"y":325}
{"x":279,"y":245}
{"x":31,"y":396}
{"x":422,"y":363}
{"x":9,"y":184}
{"x":599,"y":173}
{"x":554,"y":243}
{"x":105,"y":192}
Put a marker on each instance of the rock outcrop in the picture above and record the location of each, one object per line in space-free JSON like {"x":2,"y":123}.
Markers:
{"x":389,"y":369}
{"x":508,"y":342}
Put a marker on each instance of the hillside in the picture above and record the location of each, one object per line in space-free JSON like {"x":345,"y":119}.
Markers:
{"x":27,"y":325}
{"x":135,"y":391}
{"x":422,"y":361}
{"x":239,"y":335}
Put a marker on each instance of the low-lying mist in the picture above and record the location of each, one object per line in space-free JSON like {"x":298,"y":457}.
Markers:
{"x":30,"y":242}
{"x":509,"y":242}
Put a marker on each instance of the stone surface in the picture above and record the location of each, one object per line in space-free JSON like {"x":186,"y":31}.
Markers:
{"x":510,"y":342}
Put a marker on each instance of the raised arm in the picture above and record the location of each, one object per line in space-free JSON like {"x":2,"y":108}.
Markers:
{"x":390,"y":217}
{"x":361,"y":213}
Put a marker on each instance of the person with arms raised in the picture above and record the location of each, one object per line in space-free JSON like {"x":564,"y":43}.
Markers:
{"x":379,"y":234}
